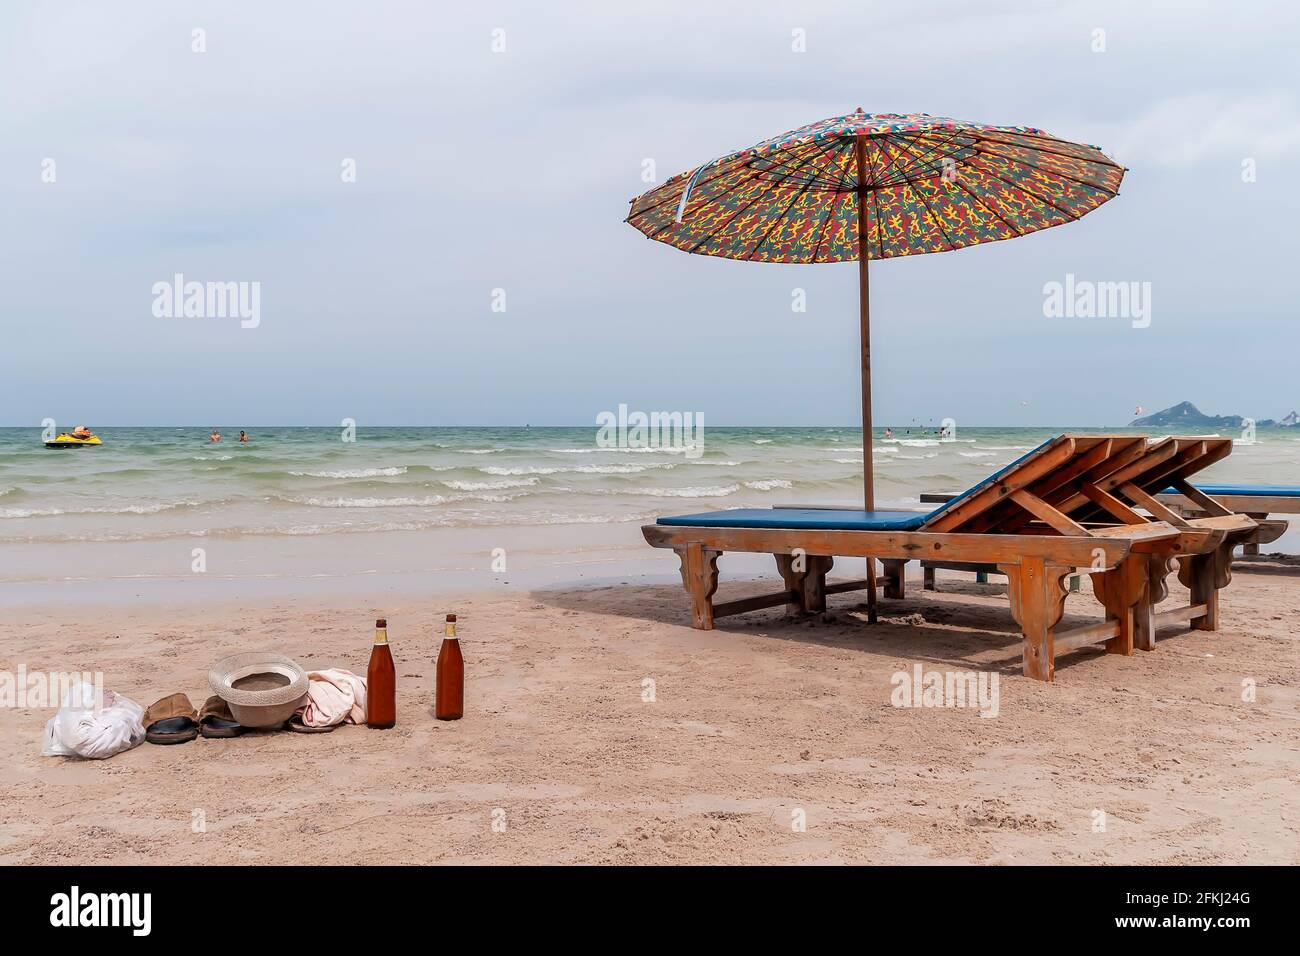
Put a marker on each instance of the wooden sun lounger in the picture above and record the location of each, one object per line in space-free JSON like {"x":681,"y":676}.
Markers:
{"x":1011,"y":522}
{"x":1244,"y":499}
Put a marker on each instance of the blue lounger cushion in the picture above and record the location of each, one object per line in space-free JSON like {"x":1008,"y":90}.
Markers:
{"x":1247,"y":491}
{"x":803,"y":519}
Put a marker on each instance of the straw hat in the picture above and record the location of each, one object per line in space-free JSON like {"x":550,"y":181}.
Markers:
{"x":262,"y":688}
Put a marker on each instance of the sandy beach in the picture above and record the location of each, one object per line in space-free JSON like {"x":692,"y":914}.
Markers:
{"x":753,"y":728}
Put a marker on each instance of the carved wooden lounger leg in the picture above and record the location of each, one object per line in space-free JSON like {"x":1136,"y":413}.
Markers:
{"x":1251,"y":546}
{"x":1037,"y":591}
{"x":794,"y":581}
{"x":1205,"y":575}
{"x":1158,"y":568}
{"x":894,"y":586}
{"x":1123,"y":591}
{"x":814,"y":582}
{"x":700,"y":577}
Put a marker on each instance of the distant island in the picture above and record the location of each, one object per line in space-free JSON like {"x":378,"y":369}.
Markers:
{"x":1185,"y":414}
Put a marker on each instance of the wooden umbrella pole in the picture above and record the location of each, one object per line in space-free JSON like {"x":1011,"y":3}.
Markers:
{"x":864,"y":316}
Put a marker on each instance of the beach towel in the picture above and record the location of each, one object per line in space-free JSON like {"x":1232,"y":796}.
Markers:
{"x":333,"y":697}
{"x":81,"y":729}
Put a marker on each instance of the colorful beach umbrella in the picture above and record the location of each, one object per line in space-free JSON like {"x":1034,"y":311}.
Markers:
{"x":874,"y":186}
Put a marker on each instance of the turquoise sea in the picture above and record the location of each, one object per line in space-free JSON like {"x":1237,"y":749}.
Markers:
{"x":160,"y":483}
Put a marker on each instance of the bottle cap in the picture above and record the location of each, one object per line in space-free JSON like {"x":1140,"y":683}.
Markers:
{"x":451,"y":618}
{"x":381,"y":622}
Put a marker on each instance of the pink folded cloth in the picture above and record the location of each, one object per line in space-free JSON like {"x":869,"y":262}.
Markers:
{"x":333,"y":697}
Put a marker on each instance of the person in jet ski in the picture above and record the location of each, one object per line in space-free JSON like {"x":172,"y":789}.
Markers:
{"x":81,"y":431}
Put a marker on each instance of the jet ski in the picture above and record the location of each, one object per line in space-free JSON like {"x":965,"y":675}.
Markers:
{"x":72,"y":441}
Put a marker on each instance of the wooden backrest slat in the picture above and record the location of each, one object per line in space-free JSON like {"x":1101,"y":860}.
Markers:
{"x":991,"y":508}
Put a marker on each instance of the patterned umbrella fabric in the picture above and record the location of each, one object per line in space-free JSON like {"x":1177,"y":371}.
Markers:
{"x":929,"y":184}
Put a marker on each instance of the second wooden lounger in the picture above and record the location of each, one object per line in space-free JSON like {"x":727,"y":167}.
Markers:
{"x":1254,"y":501}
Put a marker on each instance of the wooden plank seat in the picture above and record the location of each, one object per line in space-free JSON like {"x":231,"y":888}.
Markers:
{"x":1009,"y":521}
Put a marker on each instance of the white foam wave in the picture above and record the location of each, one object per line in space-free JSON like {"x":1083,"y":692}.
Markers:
{"x":352,"y":473}
{"x":639,"y":448}
{"x":710,"y":491}
{"x":339,"y":502}
{"x":492,"y":485}
{"x":574,"y":470}
{"x":121,"y":510}
{"x":767,"y":484}
{"x":408,"y":501}
{"x":927,"y":442}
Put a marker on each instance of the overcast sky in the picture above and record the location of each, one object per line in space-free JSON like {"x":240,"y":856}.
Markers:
{"x":479,"y":170}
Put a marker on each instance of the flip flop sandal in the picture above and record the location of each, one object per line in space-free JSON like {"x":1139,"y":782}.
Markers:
{"x":172,"y":730}
{"x":295,"y":724}
{"x":171,"y":721}
{"x":216,"y":721}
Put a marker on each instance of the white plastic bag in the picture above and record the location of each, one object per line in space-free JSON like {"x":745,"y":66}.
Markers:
{"x":84,"y":731}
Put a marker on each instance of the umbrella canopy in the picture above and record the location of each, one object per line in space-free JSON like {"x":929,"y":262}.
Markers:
{"x":930,"y":185}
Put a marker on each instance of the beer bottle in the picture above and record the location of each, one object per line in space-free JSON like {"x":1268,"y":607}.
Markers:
{"x":449,"y":703}
{"x":381,"y":682}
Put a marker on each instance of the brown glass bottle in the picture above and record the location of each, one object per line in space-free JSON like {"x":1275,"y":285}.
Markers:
{"x":449,"y":702}
{"x":381,"y":682}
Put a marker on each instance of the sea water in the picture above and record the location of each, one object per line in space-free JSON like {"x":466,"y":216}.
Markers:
{"x":146,"y":483}
{"x":305,"y":492}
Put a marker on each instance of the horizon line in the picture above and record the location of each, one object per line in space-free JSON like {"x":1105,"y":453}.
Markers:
{"x":359,"y":425}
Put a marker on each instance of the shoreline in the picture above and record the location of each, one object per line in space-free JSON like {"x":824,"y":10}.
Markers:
{"x":399,"y":563}
{"x":256,"y":568}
